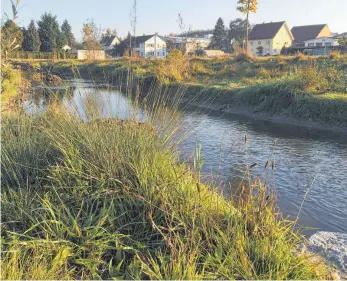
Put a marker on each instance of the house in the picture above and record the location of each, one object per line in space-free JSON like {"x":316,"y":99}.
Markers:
{"x":147,"y":46}
{"x":269,"y":38}
{"x":188,"y":44}
{"x":66,"y":48}
{"x":213,"y":53}
{"x":109,"y":41}
{"x":321,"y":42}
{"x":89,"y":54}
{"x":309,"y":32}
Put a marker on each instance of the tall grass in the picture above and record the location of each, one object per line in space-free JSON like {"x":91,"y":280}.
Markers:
{"x":91,"y":197}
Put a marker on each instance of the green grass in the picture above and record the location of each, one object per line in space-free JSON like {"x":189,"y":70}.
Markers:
{"x":299,"y":86}
{"x":113,"y":200}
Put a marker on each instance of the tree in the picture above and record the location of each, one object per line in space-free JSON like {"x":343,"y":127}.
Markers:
{"x":237,"y":30}
{"x":50,"y":35}
{"x":31,"y":40}
{"x":219,"y":39}
{"x":68,"y":35}
{"x":343,"y":42}
{"x":247,"y":6}
{"x":91,"y":38}
{"x":260,"y":50}
{"x":11,"y":34}
{"x":11,"y":38}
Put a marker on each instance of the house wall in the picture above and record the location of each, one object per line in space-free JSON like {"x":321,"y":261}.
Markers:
{"x":91,"y":55}
{"x":272,"y":46}
{"x":321,"y":42}
{"x":154,"y":47}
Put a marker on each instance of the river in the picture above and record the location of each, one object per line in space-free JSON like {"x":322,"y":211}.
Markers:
{"x":309,"y":164}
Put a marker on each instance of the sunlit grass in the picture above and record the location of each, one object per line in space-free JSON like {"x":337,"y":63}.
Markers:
{"x":105,"y":198}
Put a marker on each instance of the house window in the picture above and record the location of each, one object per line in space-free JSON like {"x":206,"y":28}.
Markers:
{"x":150,"y":45}
{"x":311,"y":44}
{"x":319,"y":44}
{"x":259,"y":42}
{"x":327,"y":44}
{"x":163,"y":54}
{"x":158,"y":54}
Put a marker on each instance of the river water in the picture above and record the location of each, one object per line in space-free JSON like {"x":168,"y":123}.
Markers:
{"x":310,"y":165}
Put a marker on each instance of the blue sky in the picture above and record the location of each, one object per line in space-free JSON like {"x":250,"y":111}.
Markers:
{"x":161,"y":15}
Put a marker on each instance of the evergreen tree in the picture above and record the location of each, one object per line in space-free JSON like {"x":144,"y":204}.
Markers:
{"x":67,"y":33}
{"x":219,"y":39}
{"x":50,"y":35}
{"x":31,"y":41}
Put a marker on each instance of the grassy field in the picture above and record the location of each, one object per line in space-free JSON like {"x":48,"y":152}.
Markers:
{"x":113,"y":199}
{"x":306,"y":88}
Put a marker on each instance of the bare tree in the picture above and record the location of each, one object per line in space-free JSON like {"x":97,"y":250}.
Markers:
{"x":184,"y":32}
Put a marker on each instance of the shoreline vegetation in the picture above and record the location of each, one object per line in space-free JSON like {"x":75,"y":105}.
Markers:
{"x":300,"y":90}
{"x":93,"y":199}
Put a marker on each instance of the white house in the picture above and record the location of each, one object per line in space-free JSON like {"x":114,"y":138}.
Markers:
{"x":190,"y":44}
{"x":66,"y":48}
{"x":109,"y":41}
{"x":270,"y":38}
{"x":321,"y":42}
{"x":147,"y":46}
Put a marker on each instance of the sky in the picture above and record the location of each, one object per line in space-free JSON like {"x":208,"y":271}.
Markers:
{"x":161,"y":15}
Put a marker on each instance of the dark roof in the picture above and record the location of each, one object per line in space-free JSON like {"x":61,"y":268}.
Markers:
{"x":265,"y":30}
{"x":107,"y":40}
{"x":306,"y":32}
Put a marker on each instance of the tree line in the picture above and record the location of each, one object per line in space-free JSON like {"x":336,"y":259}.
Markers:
{"x":46,"y":35}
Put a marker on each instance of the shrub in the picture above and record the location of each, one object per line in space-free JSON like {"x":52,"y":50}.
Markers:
{"x":335,"y":54}
{"x":244,"y":57}
{"x":175,"y":68}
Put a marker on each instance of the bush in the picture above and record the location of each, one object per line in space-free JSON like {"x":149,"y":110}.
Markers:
{"x":13,"y":88}
{"x":244,"y":57}
{"x":335,"y":54}
{"x":175,"y":68}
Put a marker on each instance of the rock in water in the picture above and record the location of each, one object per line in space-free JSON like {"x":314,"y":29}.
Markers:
{"x":332,"y":246}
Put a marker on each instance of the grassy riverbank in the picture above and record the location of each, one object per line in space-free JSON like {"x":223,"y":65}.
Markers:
{"x":306,"y":88}
{"x":113,"y":200}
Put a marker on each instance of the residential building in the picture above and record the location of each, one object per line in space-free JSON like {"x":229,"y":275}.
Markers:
{"x":109,"y":41}
{"x":321,"y":42}
{"x":66,"y":48}
{"x":189,"y":44}
{"x":270,"y":38}
{"x":309,"y":32}
{"x":147,"y":46}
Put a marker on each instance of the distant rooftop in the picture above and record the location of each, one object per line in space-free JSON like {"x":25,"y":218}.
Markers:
{"x":265,"y":30}
{"x":306,"y":32}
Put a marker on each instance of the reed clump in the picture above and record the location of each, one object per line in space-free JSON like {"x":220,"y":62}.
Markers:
{"x":92,"y":198}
